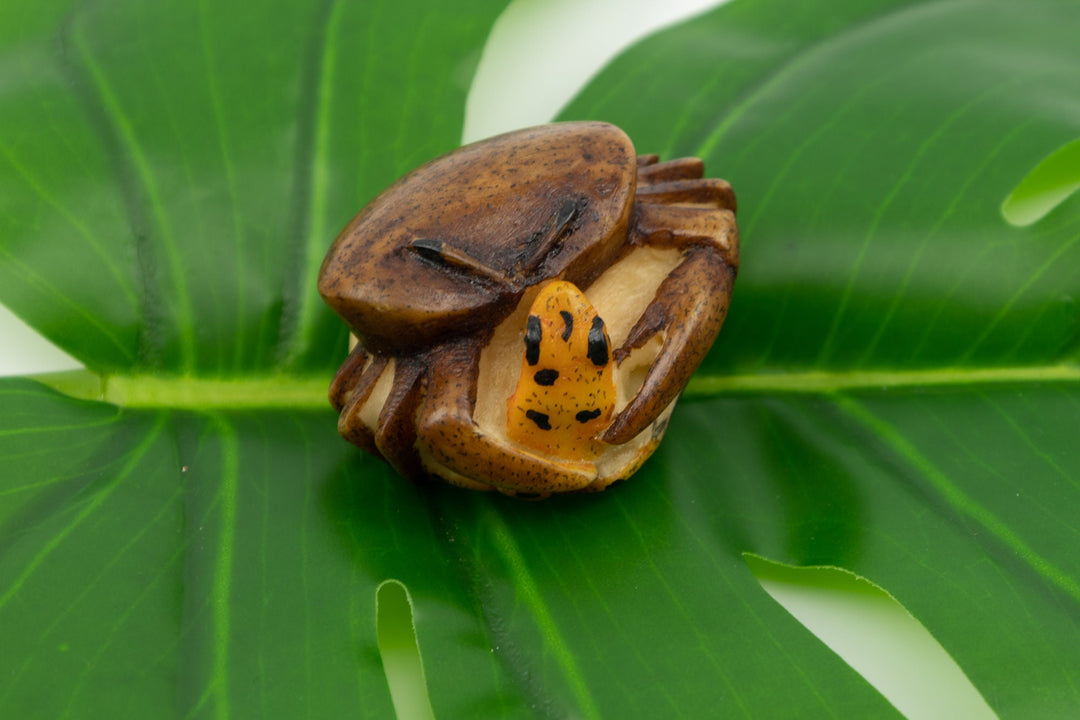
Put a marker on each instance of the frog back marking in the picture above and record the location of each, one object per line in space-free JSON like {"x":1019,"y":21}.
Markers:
{"x":566,"y":392}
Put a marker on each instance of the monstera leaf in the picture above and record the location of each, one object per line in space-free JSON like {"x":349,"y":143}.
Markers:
{"x":895,"y":392}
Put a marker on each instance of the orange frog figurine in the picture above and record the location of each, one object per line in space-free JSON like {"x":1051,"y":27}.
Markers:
{"x":566,"y":392}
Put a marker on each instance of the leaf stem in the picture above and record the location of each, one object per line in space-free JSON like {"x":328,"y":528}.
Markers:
{"x":310,"y":392}
{"x":194,"y":393}
{"x":830,"y":382}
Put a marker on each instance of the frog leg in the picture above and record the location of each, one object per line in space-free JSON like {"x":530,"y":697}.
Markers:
{"x":454,"y":442}
{"x":698,"y":218}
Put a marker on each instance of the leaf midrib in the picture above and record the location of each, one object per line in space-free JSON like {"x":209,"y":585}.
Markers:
{"x":309,"y":392}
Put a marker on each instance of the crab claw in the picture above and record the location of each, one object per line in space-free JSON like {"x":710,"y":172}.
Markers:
{"x":459,"y":451}
{"x":689,"y":306}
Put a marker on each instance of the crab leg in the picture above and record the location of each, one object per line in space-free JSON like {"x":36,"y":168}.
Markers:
{"x":347,"y":376}
{"x":709,"y":192}
{"x":394,"y":437}
{"x":687,"y":322}
{"x":396,"y":434}
{"x":352,"y":392}
{"x":677,"y":169}
{"x":682,"y":227}
{"x":447,"y":429}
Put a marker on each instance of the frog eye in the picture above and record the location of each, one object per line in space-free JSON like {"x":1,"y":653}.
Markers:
{"x":565,"y":395}
{"x":598,"y":342}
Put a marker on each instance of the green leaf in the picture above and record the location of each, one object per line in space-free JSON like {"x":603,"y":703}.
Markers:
{"x":215,"y":564}
{"x":173,"y":172}
{"x":893,"y":394}
{"x":871,"y":163}
{"x":936,"y":343}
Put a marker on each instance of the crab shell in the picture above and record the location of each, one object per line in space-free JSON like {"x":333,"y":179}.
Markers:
{"x":434,"y":277}
{"x":490,"y":200}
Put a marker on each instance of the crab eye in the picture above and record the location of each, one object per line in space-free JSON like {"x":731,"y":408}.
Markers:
{"x":546,"y":242}
{"x":566,"y":393}
{"x":448,"y":256}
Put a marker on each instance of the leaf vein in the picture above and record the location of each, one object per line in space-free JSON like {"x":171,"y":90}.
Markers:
{"x":87,"y":510}
{"x":960,"y":501}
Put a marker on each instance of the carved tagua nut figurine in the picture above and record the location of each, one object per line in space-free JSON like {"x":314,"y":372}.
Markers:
{"x":529,"y":308}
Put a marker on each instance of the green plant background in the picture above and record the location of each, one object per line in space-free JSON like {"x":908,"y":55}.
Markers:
{"x":895,"y":391}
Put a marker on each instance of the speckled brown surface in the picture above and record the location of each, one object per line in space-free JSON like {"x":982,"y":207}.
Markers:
{"x":491,"y":201}
{"x":426,"y":272}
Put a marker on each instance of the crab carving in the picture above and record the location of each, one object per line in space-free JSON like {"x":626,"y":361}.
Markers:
{"x":529,"y":308}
